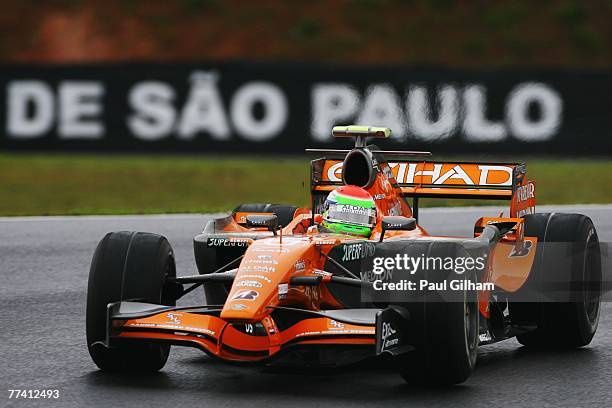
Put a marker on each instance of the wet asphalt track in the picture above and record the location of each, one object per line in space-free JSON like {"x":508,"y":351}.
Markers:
{"x":44,"y":263}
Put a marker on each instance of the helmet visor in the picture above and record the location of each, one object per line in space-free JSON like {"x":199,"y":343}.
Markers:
{"x":351,"y":214}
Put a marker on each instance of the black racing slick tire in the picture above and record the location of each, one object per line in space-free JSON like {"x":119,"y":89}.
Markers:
{"x":128,"y":266}
{"x":448,"y":350}
{"x":573,"y":321}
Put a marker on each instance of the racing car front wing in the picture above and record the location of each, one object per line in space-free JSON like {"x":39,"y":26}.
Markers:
{"x":376,"y":330}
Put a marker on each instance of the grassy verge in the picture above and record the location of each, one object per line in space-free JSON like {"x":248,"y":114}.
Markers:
{"x":36,"y":184}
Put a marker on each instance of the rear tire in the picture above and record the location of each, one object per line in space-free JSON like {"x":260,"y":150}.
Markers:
{"x":128,"y":266}
{"x":571,"y":323}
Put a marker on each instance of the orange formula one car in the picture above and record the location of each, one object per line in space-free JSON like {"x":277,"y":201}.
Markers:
{"x":356,"y":276}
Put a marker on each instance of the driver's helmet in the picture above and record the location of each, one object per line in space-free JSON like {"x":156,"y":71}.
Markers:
{"x":349,"y":210}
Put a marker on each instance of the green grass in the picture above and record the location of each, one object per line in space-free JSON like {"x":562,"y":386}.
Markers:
{"x":36,"y":184}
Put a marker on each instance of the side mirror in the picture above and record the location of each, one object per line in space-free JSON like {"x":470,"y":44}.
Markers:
{"x":269,"y":221}
{"x":396,"y":223}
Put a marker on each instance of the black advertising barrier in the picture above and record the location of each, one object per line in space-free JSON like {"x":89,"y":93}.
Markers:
{"x":286,"y":107}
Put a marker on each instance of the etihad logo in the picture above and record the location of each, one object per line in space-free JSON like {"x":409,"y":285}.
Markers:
{"x":470,"y":174}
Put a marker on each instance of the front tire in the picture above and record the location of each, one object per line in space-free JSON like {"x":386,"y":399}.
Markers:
{"x":450,"y":321}
{"x":128,"y":266}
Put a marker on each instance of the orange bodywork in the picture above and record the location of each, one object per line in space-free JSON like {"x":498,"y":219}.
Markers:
{"x":243,"y":328}
{"x":220,"y":338}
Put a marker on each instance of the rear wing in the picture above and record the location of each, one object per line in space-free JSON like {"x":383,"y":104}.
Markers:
{"x":432,"y":179}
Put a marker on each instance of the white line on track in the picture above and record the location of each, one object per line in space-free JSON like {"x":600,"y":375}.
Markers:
{"x":108,"y":217}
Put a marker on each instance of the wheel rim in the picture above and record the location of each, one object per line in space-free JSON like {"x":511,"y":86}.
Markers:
{"x":592,"y":280}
